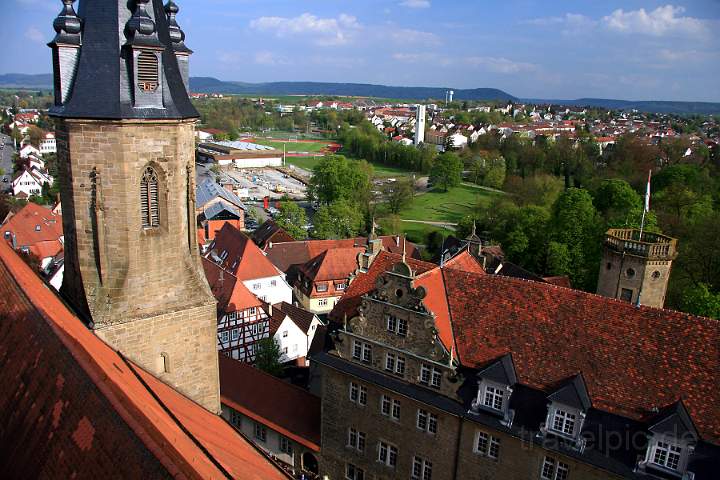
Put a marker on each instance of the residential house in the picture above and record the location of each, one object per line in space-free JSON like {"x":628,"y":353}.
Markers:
{"x":29,"y":182}
{"x":448,"y":372}
{"x":294,"y":330}
{"x":281,"y":419}
{"x":242,"y":321}
{"x":270,"y":232}
{"x":29,"y":150}
{"x":48,"y":144}
{"x":37,"y":231}
{"x":235,"y":253}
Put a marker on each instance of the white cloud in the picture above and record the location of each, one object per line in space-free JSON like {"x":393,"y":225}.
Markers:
{"x":414,"y":57}
{"x":270,"y":59}
{"x":661,"y":21}
{"x":35,"y":35}
{"x":499,"y":65}
{"x":415,"y":3}
{"x":325,"y":31}
{"x":569,"y":24}
{"x":409,"y":36}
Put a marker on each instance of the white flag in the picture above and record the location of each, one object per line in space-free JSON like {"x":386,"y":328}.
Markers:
{"x":647,"y":193}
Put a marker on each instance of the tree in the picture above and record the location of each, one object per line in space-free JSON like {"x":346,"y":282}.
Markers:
{"x":447,"y":171}
{"x":699,"y":300}
{"x":399,"y":194}
{"x":575,"y":223}
{"x":340,"y":219}
{"x":267,"y":356}
{"x":337,"y":178}
{"x":292,"y":218}
{"x":35,"y":135}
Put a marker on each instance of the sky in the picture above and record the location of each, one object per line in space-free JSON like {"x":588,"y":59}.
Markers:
{"x":553,"y":49}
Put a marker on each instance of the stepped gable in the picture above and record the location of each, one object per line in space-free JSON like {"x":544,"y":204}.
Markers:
{"x":72,"y":406}
{"x":633,"y":360}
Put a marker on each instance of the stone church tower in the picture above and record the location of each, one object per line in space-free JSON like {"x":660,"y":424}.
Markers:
{"x":125,"y":134}
{"x":636,"y":270}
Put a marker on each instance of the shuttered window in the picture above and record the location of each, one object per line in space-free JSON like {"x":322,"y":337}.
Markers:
{"x":147,"y":72}
{"x":149,"y":205}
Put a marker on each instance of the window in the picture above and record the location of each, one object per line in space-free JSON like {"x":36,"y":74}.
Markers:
{"x":430,"y":375}
{"x":251,"y":310}
{"x":362,"y":351}
{"x":323,"y":302}
{"x":487,"y":445}
{"x":667,"y":455}
{"x":626,"y":295}
{"x":149,"y":199}
{"x":340,"y":286}
{"x":400,"y":366}
{"x":390,"y":362}
{"x":387,"y":454}
{"x":427,"y":421}
{"x":235,"y":418}
{"x":321,"y":287}
{"x":285,"y":333}
{"x":273,"y":283}
{"x":493,"y":398}
{"x":257,"y":286}
{"x":390,"y":407}
{"x":354,"y":473}
{"x":564,"y":422}
{"x":260,"y":432}
{"x":147,"y":73}
{"x":285,"y":350}
{"x":234,"y":334}
{"x":232,"y":315}
{"x":286,"y":446}
{"x":554,"y":470}
{"x":358,"y":393}
{"x":395,"y":364}
{"x":356,"y":439}
{"x":396,"y":325}
{"x":421,"y":469}
{"x":224,"y":337}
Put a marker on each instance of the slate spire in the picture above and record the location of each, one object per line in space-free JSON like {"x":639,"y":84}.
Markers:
{"x":120,"y":59}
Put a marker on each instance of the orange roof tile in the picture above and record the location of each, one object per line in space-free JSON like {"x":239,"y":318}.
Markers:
{"x":161,"y":431}
{"x":37,"y":228}
{"x":232,"y":295}
{"x":242,"y":257}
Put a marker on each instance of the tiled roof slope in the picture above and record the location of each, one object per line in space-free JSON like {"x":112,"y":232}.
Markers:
{"x":231,"y":295}
{"x":244,"y":259}
{"x":281,"y":406}
{"x":365,"y":282}
{"x":37,"y":228}
{"x":632,"y":359}
{"x":333,"y":264}
{"x":72,"y":406}
{"x":284,"y":255}
{"x":302,"y":318}
{"x":270,"y":232}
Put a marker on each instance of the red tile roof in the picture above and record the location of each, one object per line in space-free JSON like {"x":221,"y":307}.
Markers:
{"x":363,"y":283}
{"x":244,"y":259}
{"x":231,"y":294}
{"x":632,"y":359}
{"x":37,"y":228}
{"x":270,"y":232}
{"x":333,"y":264}
{"x":74,"y":405}
{"x":286,"y":254}
{"x":283,"y":407}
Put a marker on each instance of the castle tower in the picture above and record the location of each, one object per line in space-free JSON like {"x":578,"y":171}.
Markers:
{"x":125,"y":138}
{"x":636,"y":270}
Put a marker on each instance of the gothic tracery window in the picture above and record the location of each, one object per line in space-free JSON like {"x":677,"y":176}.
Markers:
{"x":149,"y":199}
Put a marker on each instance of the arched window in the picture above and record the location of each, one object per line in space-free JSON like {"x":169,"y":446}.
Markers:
{"x":149,"y":199}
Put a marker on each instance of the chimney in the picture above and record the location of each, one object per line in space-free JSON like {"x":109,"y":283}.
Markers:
{"x":269,"y":309}
{"x":397,"y":240}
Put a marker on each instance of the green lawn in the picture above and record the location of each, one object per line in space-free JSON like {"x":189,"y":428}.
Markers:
{"x":450,"y":206}
{"x":292,"y":146}
{"x":308,"y":163}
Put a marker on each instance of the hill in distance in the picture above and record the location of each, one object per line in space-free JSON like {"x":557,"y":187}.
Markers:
{"x":213,"y":85}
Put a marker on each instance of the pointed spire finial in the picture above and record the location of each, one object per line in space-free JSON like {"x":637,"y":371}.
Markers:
{"x":67,"y":25}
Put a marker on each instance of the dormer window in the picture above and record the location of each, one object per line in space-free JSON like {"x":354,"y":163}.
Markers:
{"x":495,"y":387}
{"x":321,"y":287}
{"x":566,"y":411}
{"x":672,"y":440}
{"x":147,"y":72}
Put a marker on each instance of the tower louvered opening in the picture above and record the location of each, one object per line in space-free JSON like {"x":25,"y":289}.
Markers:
{"x":147,"y":72}
{"x":149,"y":199}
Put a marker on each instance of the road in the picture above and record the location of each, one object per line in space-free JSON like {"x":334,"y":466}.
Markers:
{"x":6,"y":164}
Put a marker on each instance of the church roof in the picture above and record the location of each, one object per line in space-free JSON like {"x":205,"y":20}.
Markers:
{"x":72,"y":406}
{"x":101,"y":89}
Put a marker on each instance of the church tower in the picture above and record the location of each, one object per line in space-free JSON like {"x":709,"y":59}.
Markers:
{"x":636,"y":269}
{"x":125,"y":135}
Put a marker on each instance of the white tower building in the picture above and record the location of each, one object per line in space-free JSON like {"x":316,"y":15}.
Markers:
{"x":420,"y":125}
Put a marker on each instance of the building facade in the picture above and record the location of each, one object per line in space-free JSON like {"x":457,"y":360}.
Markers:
{"x":449,"y":373}
{"x":125,"y":141}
